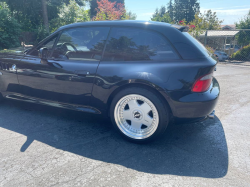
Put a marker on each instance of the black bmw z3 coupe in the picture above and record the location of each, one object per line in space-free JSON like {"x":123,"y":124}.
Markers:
{"x":141,"y":74}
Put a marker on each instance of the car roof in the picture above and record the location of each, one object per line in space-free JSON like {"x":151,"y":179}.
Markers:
{"x":137,"y":23}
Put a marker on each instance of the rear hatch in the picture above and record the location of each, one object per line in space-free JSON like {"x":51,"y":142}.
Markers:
{"x":205,"y":65}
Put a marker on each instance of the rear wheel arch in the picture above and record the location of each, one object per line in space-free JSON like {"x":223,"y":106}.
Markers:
{"x":137,"y":85}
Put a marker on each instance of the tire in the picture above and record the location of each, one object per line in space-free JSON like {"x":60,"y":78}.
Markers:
{"x":139,"y":115}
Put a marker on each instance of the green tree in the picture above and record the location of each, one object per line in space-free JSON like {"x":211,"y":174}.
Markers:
{"x":130,"y":16}
{"x":170,"y":10}
{"x":203,"y":22}
{"x":34,"y":16}
{"x":9,"y":28}
{"x":177,"y":11}
{"x":244,"y":36}
{"x":185,"y":9}
{"x":68,"y":14}
{"x":27,"y":13}
{"x":161,"y":15}
{"x":93,"y":6}
{"x":165,"y":18}
{"x":159,"y":12}
{"x":207,"y":21}
{"x":244,"y":23}
{"x":31,"y":14}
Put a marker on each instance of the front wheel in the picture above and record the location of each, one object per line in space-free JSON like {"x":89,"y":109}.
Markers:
{"x":139,"y":115}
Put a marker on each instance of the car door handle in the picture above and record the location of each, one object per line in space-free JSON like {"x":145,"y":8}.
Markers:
{"x":81,"y":73}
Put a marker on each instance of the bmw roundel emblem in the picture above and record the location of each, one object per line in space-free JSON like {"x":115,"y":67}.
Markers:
{"x":14,"y":66}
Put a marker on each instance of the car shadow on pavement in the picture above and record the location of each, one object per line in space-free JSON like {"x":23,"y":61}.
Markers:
{"x":197,"y":149}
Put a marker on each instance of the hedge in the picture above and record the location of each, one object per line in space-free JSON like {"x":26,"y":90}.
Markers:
{"x":242,"y":54}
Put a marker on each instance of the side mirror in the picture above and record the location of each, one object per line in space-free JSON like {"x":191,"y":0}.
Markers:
{"x":43,"y":53}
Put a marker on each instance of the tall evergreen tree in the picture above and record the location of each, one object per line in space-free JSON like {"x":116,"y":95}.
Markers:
{"x":155,"y":14}
{"x":159,"y":12}
{"x":93,"y":6}
{"x":170,"y":10}
{"x":186,"y":9}
{"x":162,"y":10}
{"x":161,"y":15}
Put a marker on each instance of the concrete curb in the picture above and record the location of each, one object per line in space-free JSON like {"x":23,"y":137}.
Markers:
{"x":236,"y":63}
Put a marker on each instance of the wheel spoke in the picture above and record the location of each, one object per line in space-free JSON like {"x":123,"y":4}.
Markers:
{"x":145,"y":107}
{"x":127,"y":114}
{"x":147,"y":120}
{"x":136,"y":124}
{"x":133,"y":104}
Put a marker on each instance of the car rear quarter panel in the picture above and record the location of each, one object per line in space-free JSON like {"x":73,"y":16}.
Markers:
{"x":111,"y":76}
{"x":173,"y":80}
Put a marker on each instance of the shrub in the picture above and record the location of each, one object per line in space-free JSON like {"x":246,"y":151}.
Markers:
{"x":9,"y":29}
{"x":41,"y":33}
{"x":210,"y":49}
{"x":242,"y":54}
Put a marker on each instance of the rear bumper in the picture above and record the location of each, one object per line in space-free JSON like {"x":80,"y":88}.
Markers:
{"x":195,"y":105}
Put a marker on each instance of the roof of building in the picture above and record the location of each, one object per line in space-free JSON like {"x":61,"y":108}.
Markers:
{"x":228,"y":26}
{"x":220,"y":33}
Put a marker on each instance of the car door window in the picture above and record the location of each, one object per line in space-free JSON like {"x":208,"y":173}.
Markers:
{"x":48,"y":44}
{"x":127,"y":44}
{"x":81,"y":43}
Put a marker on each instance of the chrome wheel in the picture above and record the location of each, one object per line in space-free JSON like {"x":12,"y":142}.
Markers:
{"x":136,"y":116}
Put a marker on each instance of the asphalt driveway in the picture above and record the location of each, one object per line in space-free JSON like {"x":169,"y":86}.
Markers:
{"x":45,"y":146}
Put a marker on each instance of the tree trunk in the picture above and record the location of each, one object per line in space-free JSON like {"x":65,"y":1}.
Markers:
{"x":45,"y":15}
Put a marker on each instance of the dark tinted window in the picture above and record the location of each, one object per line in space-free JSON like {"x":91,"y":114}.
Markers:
{"x":81,"y":43}
{"x":127,"y":44}
{"x":48,"y":44}
{"x":197,"y":43}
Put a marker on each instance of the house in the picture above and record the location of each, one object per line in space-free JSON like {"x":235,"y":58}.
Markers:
{"x":228,"y":27}
{"x":221,"y":40}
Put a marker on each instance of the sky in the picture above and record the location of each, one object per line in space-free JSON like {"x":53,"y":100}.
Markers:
{"x":230,"y":11}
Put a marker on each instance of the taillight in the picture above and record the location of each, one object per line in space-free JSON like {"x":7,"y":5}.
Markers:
{"x":203,"y":83}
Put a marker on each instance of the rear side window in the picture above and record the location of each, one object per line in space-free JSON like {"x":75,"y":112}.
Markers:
{"x":197,"y":43}
{"x":128,"y":44}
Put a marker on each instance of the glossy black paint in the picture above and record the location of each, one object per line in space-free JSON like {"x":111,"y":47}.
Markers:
{"x":90,"y":85}
{"x":172,"y":81}
{"x":8,"y":77}
{"x":66,"y":82}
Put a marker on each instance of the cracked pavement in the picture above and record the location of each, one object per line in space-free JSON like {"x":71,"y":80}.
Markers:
{"x":45,"y":146}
